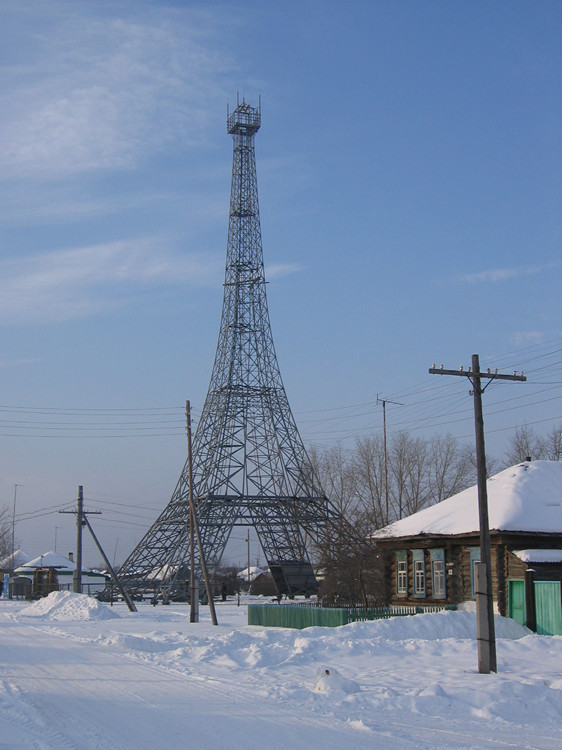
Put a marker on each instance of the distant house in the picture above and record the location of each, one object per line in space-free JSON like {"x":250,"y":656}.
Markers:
{"x":430,"y":555}
{"x":92,"y":581}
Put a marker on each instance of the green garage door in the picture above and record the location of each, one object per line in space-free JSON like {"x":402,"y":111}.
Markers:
{"x":516,"y":608}
{"x":548,"y":608}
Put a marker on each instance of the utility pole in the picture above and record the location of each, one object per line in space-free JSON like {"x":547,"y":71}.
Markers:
{"x":248,"y":551}
{"x":13,"y":566}
{"x":384,"y":402}
{"x":78,"y":571}
{"x":193,"y":594}
{"x":194,"y":527}
{"x":484,"y":594}
{"x":124,"y":593}
{"x":80,"y":522}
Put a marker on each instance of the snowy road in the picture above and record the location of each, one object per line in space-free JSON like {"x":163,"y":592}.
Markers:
{"x":58,"y":694}
{"x":94,"y":678}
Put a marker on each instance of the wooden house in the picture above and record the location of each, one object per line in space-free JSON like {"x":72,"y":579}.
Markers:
{"x":429,"y":556}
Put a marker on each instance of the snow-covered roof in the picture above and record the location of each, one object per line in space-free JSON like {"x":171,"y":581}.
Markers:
{"x":525,"y":497}
{"x":20,"y":557}
{"x":539,"y":555}
{"x":50,"y":560}
{"x":250,"y":573}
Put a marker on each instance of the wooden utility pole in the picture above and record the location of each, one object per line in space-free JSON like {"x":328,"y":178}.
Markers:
{"x":124,"y":593}
{"x":248,"y":556}
{"x":194,"y":531}
{"x":484,"y":594}
{"x":193,"y":594}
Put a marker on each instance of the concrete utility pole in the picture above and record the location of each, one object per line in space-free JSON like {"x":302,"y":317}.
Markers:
{"x":484,"y":594}
{"x":78,"y":571}
{"x":80,"y":522}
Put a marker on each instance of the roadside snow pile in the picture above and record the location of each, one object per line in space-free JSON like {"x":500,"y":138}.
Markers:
{"x":261,"y":649}
{"x":65,"y":605}
{"x":433,"y":626}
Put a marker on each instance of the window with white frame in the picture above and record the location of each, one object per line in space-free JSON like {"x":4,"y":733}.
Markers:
{"x":402,"y":572}
{"x":402,"y":577}
{"x":438,"y":580}
{"x":419,"y":577}
{"x":474,"y":558}
{"x":419,"y":572}
{"x":438,"y":575}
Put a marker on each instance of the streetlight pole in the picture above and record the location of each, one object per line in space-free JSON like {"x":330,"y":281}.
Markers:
{"x":14,"y":527}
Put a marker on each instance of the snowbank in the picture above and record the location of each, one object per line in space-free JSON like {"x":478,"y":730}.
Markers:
{"x":65,"y":605}
{"x":433,"y":627}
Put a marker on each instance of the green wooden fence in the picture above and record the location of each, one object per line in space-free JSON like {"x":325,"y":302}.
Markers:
{"x":306,"y":616}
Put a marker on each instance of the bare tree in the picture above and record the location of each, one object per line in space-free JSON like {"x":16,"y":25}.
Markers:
{"x":450,"y":468}
{"x":553,"y":444}
{"x":369,"y":472}
{"x":525,"y":443}
{"x":5,"y":532}
{"x":335,"y":469}
{"x":408,"y":469}
{"x":348,"y":573}
{"x":420,"y":472}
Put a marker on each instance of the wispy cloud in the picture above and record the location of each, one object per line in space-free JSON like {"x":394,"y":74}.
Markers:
{"x":503,"y":274}
{"x":44,"y":207}
{"x":6,"y":364}
{"x":525,"y":338}
{"x":73,"y":283}
{"x":103,"y":92}
{"x":278,"y":270}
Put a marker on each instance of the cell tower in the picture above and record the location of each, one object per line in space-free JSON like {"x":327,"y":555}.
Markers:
{"x":249,"y":464}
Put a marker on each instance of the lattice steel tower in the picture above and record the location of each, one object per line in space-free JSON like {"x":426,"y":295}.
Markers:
{"x":250,"y":466}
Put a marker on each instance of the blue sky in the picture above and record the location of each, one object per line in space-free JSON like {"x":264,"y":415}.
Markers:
{"x":409,"y":171}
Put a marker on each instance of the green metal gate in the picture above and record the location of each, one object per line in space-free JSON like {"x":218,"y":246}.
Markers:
{"x":548,"y":608}
{"x":516,"y":607}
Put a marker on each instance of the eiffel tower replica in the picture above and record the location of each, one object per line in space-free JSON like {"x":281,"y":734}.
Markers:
{"x":249,"y":465}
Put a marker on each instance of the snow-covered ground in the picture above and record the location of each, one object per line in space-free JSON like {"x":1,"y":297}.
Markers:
{"x":78,"y":674}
